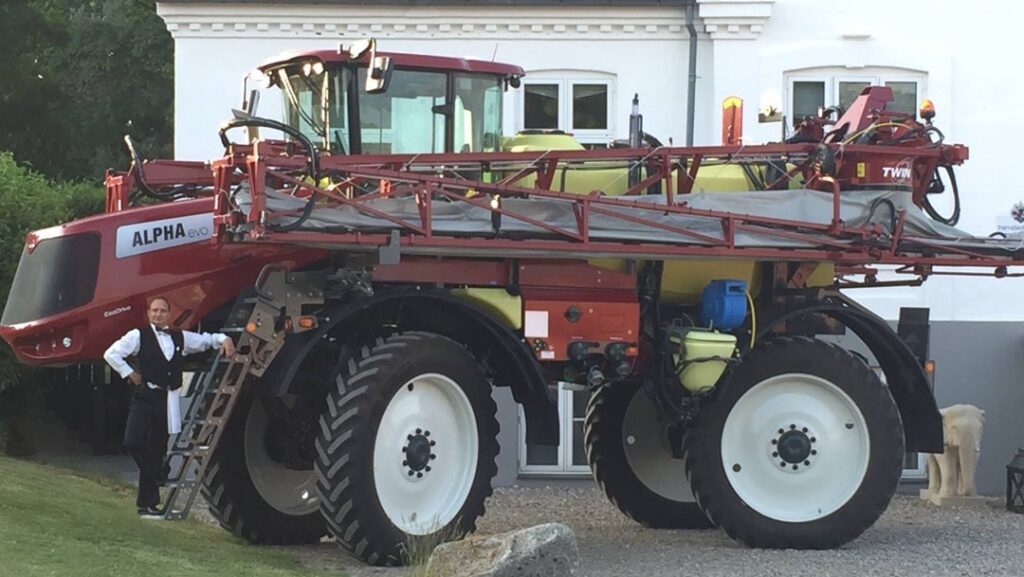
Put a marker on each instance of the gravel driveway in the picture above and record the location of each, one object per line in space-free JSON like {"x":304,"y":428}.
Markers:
{"x":913,"y":539}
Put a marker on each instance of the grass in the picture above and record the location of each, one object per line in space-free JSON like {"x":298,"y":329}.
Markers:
{"x":417,"y":550}
{"x":55,"y":522}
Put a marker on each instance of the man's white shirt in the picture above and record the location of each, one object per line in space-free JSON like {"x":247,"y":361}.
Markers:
{"x":128,"y":345}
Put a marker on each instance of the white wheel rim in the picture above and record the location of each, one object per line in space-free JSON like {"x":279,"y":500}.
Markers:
{"x":430,"y":408}
{"x":648,"y":453}
{"x":289,"y":491}
{"x":836,"y":436}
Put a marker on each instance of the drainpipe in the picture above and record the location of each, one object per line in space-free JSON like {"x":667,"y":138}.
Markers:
{"x":691,"y":84}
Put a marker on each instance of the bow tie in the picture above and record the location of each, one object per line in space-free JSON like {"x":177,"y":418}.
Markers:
{"x":164,"y":331}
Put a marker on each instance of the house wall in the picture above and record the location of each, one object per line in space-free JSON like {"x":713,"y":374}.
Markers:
{"x":746,"y":48}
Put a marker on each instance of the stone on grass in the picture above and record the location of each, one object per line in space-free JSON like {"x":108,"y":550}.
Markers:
{"x":547,"y":550}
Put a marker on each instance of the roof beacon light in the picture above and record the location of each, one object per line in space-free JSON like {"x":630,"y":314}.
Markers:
{"x":927,"y":110}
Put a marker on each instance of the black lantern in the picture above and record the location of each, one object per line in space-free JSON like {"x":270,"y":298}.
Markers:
{"x":1015,"y":483}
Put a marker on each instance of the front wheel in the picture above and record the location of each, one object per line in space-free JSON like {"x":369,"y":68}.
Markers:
{"x":259,"y":482}
{"x":800,"y":447}
{"x":407,"y":446}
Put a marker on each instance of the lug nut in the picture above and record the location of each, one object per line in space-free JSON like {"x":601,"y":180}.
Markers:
{"x":433,"y":456}
{"x":426,"y":433}
{"x":807,"y":463}
{"x":419,"y":475}
{"x":419,"y":431}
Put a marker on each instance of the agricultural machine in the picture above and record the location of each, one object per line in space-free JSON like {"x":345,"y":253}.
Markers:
{"x":394,"y":256}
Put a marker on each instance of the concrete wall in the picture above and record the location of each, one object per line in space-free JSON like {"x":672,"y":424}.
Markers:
{"x":981,"y":364}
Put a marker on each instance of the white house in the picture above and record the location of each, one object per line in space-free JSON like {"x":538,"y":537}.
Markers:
{"x":587,"y":59}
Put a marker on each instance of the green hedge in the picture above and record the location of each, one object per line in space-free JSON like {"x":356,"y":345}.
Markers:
{"x":28,"y":201}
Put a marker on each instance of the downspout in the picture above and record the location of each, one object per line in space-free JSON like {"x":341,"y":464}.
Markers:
{"x":691,"y":84}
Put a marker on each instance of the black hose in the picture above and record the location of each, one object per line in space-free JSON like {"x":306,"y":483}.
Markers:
{"x":937,"y":187}
{"x":311,"y":154}
{"x":892,"y":212}
{"x":140,"y":176}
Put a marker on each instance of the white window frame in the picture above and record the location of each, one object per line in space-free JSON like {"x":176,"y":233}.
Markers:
{"x":832,"y":76}
{"x":565,"y":82}
{"x":564,"y":468}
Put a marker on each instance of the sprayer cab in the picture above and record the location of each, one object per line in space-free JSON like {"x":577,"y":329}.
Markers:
{"x":360,"y":101}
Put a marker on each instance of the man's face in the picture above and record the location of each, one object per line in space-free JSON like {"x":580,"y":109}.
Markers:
{"x":158,"y":312}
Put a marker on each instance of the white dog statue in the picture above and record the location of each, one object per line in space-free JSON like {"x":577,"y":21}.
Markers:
{"x":951,"y":474}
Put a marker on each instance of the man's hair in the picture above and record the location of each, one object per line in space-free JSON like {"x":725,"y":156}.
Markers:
{"x":154,"y":299}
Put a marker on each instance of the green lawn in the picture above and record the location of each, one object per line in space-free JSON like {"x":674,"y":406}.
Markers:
{"x":57,"y":522}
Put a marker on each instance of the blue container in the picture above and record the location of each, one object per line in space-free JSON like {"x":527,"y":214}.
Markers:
{"x":723,"y":304}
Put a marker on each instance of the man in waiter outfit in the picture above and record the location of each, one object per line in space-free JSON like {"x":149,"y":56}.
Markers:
{"x":159,"y":354}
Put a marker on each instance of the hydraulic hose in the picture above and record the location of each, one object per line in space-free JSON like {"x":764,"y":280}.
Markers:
{"x":937,"y":187}
{"x":311,"y":154}
{"x":140,"y":175}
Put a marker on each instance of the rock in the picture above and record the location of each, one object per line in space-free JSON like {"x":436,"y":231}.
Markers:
{"x":547,"y":550}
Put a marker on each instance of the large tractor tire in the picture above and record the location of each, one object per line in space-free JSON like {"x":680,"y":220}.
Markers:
{"x":407,"y":446}
{"x":259,"y":484}
{"x":800,"y":447}
{"x":630,"y":456}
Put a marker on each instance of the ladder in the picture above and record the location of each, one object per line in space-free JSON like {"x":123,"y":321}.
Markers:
{"x":258,"y":320}
{"x":210,"y":402}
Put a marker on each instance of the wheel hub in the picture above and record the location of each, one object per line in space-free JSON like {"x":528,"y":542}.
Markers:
{"x":793,"y":447}
{"x":418,"y":453}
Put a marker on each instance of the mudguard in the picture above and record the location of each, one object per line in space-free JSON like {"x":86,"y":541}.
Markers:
{"x":922,"y":423}
{"x":511,"y":361}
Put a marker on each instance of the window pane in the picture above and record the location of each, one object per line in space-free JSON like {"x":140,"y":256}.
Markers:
{"x":808,"y":97}
{"x":590,"y":106}
{"x":541,"y":454}
{"x":579,"y":404}
{"x":904,"y":96}
{"x":541,"y":106}
{"x":477,"y":113}
{"x":849,"y":91}
{"x":402,"y":120}
{"x":579,"y":453}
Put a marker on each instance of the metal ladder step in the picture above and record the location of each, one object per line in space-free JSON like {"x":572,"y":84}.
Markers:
{"x":209,"y":408}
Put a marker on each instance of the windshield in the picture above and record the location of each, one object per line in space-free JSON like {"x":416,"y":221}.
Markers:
{"x":421,"y":112}
{"x":403,"y":119}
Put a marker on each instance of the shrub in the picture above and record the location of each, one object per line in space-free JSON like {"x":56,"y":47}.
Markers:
{"x":28,"y":201}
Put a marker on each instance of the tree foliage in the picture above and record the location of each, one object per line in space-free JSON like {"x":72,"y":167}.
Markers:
{"x":28,"y":201}
{"x":79,"y":74}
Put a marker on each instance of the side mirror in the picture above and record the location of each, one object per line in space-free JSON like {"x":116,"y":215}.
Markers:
{"x":378,"y":75}
{"x":253,"y":102}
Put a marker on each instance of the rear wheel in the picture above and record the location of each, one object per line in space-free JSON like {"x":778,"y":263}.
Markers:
{"x":628,"y":447}
{"x":259,"y":482}
{"x":407,"y":446}
{"x":800,"y":447}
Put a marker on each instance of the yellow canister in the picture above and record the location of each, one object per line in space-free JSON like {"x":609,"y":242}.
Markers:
{"x":704,"y":359}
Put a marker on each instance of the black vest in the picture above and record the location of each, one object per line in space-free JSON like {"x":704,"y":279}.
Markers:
{"x":154,"y":366}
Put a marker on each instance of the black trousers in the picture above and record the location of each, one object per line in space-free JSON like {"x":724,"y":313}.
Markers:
{"x":145,"y":438}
